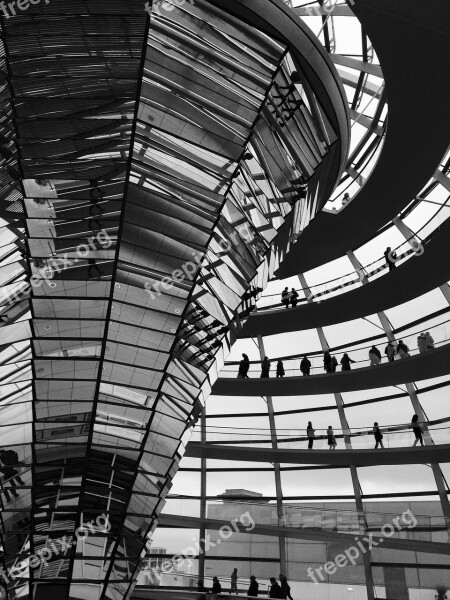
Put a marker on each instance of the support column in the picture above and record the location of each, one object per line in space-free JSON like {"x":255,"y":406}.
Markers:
{"x":358,"y":496}
{"x":363,"y":277}
{"x":442,"y":179}
{"x":277,"y":471}
{"x":406,"y":232}
{"x":202,"y":531}
{"x":445,"y":289}
{"x":353,"y":472}
{"x":417,"y":407}
{"x":306,"y":289}
{"x":437,"y":472}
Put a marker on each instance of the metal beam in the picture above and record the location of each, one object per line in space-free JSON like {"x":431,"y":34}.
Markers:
{"x":276,"y":467}
{"x":358,"y":65}
{"x":317,"y":10}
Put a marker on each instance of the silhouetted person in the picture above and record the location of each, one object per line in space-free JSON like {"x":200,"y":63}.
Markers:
{"x":390,"y":257}
{"x":285,"y":297}
{"x":234,"y":578}
{"x":430,"y":341}
{"x":293,"y":297}
{"x":244,"y":366}
{"x":331,"y":438}
{"x":375,"y":356}
{"x":334,"y":364}
{"x":390,"y":351}
{"x":422,"y":343}
{"x":10,"y":460}
{"x":417,"y":428}
{"x":377,"y":435}
{"x":310,"y":434}
{"x":402,"y":349}
{"x":345,"y":199}
{"x":280,"y":369}
{"x":285,"y":587}
{"x":327,"y":362}
{"x":346,"y":362}
{"x":265,"y":367}
{"x":275,"y":590}
{"x":216,"y":587}
{"x":201,"y":588}
{"x":305,"y":366}
{"x":254,"y":587}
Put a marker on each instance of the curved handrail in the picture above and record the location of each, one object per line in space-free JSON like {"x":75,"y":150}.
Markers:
{"x":357,"y":279}
{"x":365,"y":268}
{"x":355,"y":272}
{"x":287,"y":360}
{"x":392,"y":438}
{"x":356,"y":431}
{"x":364,"y":154}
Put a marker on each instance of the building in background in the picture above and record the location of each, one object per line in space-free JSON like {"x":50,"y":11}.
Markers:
{"x":422,"y":522}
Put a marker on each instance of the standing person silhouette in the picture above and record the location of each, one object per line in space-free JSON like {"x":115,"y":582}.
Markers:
{"x":254,"y":587}
{"x":234,"y":578}
{"x":244,"y":366}
{"x":327,"y":362}
{"x":331,"y":439}
{"x":417,"y":428}
{"x":285,"y":297}
{"x":346,"y":362}
{"x":391,"y":258}
{"x":374,"y":356}
{"x":305,"y":366}
{"x":377,"y":435}
{"x":265,"y":367}
{"x":422,"y":343}
{"x":293,"y":297}
{"x":334,"y":364}
{"x":201,"y":588}
{"x":430,"y":341}
{"x":390,"y":351}
{"x":275,"y":590}
{"x":216,"y":587}
{"x":280,"y":369}
{"x":310,"y":434}
{"x":285,"y":587}
{"x":402,"y":349}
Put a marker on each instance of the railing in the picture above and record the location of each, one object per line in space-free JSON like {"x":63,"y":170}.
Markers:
{"x":369,"y":90}
{"x":372,"y":271}
{"x":394,"y":436}
{"x":175,"y":593}
{"x":359,"y":355}
{"x":318,"y":292}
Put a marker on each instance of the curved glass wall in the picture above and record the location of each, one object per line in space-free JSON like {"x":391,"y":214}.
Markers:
{"x":153,"y":172}
{"x":293,"y":517}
